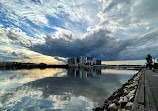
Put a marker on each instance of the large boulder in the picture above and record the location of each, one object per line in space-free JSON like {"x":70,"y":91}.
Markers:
{"x":112,"y":107}
{"x":129,"y":106}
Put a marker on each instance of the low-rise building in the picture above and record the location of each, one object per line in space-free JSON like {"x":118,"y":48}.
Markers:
{"x":98,"y":62}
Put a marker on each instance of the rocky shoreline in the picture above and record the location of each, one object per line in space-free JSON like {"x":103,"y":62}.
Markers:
{"x":123,"y":98}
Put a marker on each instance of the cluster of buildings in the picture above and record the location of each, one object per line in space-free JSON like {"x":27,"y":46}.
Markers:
{"x":82,"y":61}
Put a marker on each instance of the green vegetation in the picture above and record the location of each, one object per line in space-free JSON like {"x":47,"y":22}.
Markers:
{"x":156,"y":70}
{"x":149,"y":61}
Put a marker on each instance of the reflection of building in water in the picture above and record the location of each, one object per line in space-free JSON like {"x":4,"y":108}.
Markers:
{"x":83,"y":60}
{"x":83,"y":72}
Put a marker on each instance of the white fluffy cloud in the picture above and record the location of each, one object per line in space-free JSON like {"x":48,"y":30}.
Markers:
{"x":82,"y":12}
{"x":131,"y":18}
{"x":18,"y":37}
{"x":106,"y":29}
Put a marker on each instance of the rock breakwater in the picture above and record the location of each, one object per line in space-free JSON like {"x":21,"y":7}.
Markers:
{"x":123,"y":98}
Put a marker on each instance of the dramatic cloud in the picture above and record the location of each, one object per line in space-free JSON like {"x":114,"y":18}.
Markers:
{"x":21,"y":54}
{"x":104,"y":29}
{"x":47,"y":15}
{"x":100,"y":44}
{"x":97,"y":44}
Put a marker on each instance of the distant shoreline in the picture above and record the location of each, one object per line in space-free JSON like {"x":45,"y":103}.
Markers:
{"x":14,"y":67}
{"x":18,"y":65}
{"x":67,"y":67}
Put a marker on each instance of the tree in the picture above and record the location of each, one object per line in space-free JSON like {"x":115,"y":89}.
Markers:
{"x":149,"y":61}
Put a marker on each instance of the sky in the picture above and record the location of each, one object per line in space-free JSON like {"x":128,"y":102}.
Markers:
{"x":51,"y":31}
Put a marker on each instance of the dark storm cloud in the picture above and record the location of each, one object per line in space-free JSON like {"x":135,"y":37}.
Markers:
{"x":150,"y":37}
{"x":99,"y":44}
{"x":141,"y":46}
{"x":139,"y":53}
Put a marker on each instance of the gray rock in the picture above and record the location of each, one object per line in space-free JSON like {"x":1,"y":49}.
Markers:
{"x":125,"y":99}
{"x":112,"y":107}
{"x":131,"y":98}
{"x":129,"y":106}
{"x":121,"y":100}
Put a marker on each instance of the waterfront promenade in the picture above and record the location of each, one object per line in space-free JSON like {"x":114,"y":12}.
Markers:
{"x":146,"y":98}
{"x":152,"y":80}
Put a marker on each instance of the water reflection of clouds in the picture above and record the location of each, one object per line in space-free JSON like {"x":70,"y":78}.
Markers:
{"x":122,"y":75}
{"x":14,"y":98}
{"x":60,"y":93}
{"x":95,"y":88}
{"x":118,"y":71}
{"x":72,"y":103}
{"x":11,"y":79}
{"x":26,"y":98}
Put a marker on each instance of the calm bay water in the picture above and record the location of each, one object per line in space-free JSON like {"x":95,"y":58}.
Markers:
{"x":58,"y":89}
